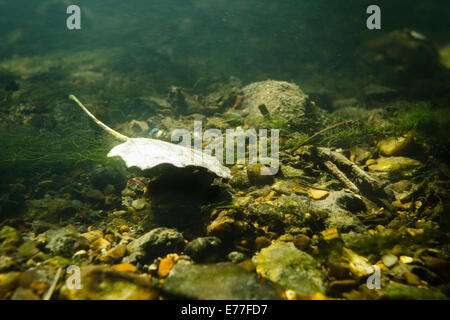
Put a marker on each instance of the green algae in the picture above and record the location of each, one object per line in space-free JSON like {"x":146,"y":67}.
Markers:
{"x":25,"y":150}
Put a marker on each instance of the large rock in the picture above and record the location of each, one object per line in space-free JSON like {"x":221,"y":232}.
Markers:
{"x":294,"y":269}
{"x":281,"y":99}
{"x":65,"y":241}
{"x":219,"y":281}
{"x":398,"y":291}
{"x":102,"y":283}
{"x":394,"y":167}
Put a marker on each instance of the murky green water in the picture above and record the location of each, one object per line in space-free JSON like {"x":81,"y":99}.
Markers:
{"x":375,"y":101}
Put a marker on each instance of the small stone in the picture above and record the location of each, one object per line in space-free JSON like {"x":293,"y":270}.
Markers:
{"x":330,"y":234}
{"x":204,"y":249}
{"x":393,"y":146}
{"x":317,"y":194}
{"x":256,"y":176}
{"x":389,"y":260}
{"x":236,"y":256}
{"x":125,"y":267}
{"x":414,"y":232}
{"x":124,"y":228}
{"x":290,"y":294}
{"x":166,"y":264}
{"x":224,"y":226}
{"x":411,"y":278}
{"x":139,"y":204}
{"x":100,"y":244}
{"x":406,"y":259}
{"x":155,"y":243}
{"x":80,"y":253}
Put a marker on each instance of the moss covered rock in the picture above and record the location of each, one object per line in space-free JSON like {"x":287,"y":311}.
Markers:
{"x":294,"y":269}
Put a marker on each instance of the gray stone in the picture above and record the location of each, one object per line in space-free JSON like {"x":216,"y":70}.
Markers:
{"x":281,"y":99}
{"x":267,"y":215}
{"x":219,"y":281}
{"x":203,"y":248}
{"x":155,"y":243}
{"x":65,"y":242}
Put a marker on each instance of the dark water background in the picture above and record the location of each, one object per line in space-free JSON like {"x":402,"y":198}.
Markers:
{"x":251,"y":39}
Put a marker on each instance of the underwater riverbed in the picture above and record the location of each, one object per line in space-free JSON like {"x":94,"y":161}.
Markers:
{"x":355,"y":206}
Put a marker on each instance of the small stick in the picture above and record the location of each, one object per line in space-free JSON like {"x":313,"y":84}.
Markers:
{"x":320,"y":132}
{"x":101,"y":124}
{"x":341,"y":176}
{"x":364,"y":180}
{"x":49,"y":293}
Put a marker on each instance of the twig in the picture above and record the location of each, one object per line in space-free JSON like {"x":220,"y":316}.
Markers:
{"x":320,"y":132}
{"x":341,"y":176}
{"x":363,"y":179}
{"x":49,"y":293}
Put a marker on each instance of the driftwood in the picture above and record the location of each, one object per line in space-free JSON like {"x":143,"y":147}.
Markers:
{"x":341,"y":176}
{"x":366,"y":183}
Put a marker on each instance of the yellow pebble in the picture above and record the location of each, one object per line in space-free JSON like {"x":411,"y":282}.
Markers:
{"x":317,"y":194}
{"x":406,"y":259}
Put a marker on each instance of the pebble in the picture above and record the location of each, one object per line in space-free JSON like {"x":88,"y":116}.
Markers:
{"x":166,"y":264}
{"x":139,"y":204}
{"x":411,"y":278}
{"x":389,"y":260}
{"x":317,"y":194}
{"x":414,"y":232}
{"x":124,"y":228}
{"x":236,"y":256}
{"x":125,"y":267}
{"x":100,"y":244}
{"x":406,"y":259}
{"x":330,"y":234}
{"x":393,"y":146}
{"x":256,"y":178}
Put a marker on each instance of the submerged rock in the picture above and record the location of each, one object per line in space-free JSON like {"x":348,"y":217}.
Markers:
{"x":219,"y":281}
{"x":204,"y":248}
{"x":267,"y":215}
{"x":65,"y":242}
{"x":101,"y":283}
{"x":9,"y":239}
{"x":50,"y":209}
{"x":394,"y":146}
{"x":280,"y":99}
{"x":292,"y":268}
{"x":155,"y":243}
{"x":397,"y":291}
{"x":256,"y":178}
{"x":394,"y":166}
